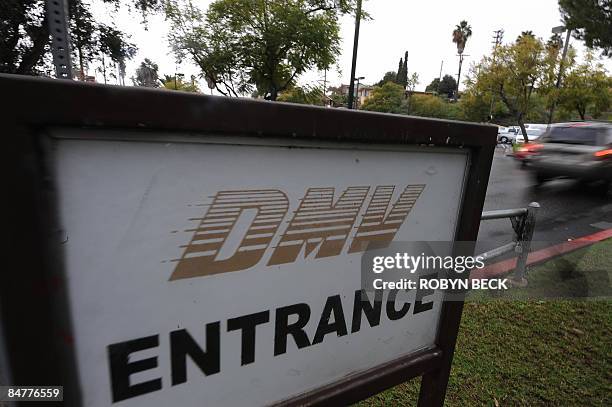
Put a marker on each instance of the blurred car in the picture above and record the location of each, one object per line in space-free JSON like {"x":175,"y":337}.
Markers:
{"x":573,"y":150}
{"x":523,"y":151}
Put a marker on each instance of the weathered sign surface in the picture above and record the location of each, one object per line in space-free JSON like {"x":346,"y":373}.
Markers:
{"x":230,"y":273}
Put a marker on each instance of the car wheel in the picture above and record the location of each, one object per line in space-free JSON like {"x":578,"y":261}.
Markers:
{"x":504,"y":139}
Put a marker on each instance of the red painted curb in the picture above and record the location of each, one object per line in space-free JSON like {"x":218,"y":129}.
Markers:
{"x":505,"y":266}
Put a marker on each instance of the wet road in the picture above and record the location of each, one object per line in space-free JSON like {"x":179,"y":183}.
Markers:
{"x":568,"y":208}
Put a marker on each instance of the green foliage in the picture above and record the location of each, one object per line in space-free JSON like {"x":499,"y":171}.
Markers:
{"x":304,"y":95}
{"x":337,"y":97}
{"x":446,"y":87}
{"x":433,"y":86}
{"x":261,"y":47}
{"x":173,"y":82}
{"x":512,"y":75}
{"x":390,"y":76}
{"x":525,"y":35}
{"x":402,"y":71}
{"x":387,"y":98}
{"x":428,"y":106}
{"x":591,"y":20}
{"x":586,"y":89}
{"x":147,"y":74}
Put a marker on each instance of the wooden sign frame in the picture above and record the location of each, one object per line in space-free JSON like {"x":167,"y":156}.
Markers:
{"x":33,"y":304}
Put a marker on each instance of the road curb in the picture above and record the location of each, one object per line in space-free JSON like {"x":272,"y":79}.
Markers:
{"x":504,"y":267}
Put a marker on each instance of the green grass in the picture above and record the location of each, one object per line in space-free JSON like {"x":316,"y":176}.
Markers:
{"x":531,"y":352}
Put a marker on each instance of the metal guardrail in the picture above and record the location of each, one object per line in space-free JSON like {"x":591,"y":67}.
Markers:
{"x":523,"y":222}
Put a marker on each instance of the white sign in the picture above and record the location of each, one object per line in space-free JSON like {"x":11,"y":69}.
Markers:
{"x":211,"y":271}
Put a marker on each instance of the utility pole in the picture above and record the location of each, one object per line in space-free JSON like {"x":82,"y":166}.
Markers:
{"x":499,"y":35}
{"x":558,"y":30}
{"x":57,"y":12}
{"x":351,"y":94}
{"x":325,"y":83}
{"x":440,"y":76}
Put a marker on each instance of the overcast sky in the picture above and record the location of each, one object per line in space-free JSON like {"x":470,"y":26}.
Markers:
{"x":423,"y":28}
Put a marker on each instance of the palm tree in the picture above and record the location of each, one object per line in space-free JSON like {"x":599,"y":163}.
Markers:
{"x":461,"y":33}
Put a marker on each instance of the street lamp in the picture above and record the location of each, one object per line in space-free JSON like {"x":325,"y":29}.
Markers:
{"x":357,"y":91}
{"x":559,"y":30}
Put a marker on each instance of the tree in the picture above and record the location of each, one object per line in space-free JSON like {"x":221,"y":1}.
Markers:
{"x":512,"y":74}
{"x":147,"y":74}
{"x":243,"y":46}
{"x":390,"y":76}
{"x":402,"y":73}
{"x":112,"y":45}
{"x":304,"y":95}
{"x":412,"y":82}
{"x":445,"y":87}
{"x":587,"y":88}
{"x":337,"y":97}
{"x":461,"y":33}
{"x":387,"y":98}
{"x":25,"y":40}
{"x":174,"y":82}
{"x":591,"y":21}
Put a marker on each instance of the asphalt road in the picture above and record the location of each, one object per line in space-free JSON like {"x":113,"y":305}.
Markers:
{"x":568,"y":209}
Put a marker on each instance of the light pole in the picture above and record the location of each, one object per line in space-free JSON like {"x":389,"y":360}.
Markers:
{"x":559,"y":30}
{"x":357,"y":92}
{"x":57,"y":13}
{"x":354,"y":63}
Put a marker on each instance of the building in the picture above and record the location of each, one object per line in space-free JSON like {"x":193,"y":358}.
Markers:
{"x":362,"y":93}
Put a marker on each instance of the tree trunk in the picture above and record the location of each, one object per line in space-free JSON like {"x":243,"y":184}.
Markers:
{"x":104,"y":70}
{"x":523,"y":129}
{"x":39,"y":40}
{"x":581,"y":112}
{"x":81,"y":64}
{"x":459,"y":76}
{"x":273,"y":94}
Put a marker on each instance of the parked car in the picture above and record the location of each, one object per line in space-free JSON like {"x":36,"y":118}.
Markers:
{"x":507,"y":135}
{"x":536,"y":126}
{"x":532,"y":134}
{"x":573,"y":150}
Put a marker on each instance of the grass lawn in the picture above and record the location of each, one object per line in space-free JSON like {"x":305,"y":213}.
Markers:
{"x":531,"y":352}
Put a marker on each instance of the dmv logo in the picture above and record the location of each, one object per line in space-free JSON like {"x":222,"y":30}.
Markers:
{"x":317,"y":224}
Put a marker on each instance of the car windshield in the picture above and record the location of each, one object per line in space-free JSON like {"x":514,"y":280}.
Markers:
{"x":574,"y":135}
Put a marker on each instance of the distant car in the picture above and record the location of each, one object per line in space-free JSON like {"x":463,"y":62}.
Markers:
{"x":536,"y":126}
{"x":573,"y":150}
{"x":507,"y":134}
{"x":532,"y":135}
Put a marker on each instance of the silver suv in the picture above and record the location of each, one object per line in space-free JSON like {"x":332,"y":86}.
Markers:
{"x":581,"y":150}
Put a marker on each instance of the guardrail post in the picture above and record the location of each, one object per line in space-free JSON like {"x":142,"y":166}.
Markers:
{"x":524,"y":245}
